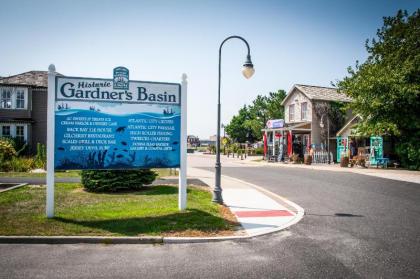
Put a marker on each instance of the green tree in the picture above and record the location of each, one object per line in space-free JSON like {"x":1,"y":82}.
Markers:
{"x":386,"y":87}
{"x":236,"y":128}
{"x":275,"y":109}
{"x":247,"y":125}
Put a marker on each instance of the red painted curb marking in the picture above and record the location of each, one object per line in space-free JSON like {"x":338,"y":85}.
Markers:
{"x":263,"y":213}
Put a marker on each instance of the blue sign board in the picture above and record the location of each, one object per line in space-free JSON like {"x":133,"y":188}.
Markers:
{"x":101,"y":126}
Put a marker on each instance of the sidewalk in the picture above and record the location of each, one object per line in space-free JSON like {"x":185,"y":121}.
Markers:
{"x":258,"y":210}
{"x":390,"y":173}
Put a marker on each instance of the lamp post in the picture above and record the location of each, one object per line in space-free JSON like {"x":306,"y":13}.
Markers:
{"x":247,"y":71}
{"x":321,"y":124}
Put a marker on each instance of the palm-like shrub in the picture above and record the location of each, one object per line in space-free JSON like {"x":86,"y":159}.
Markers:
{"x":116,"y":180}
{"x":7,"y":151}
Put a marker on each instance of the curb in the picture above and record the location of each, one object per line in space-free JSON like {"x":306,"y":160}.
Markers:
{"x":14,"y":187}
{"x":155,"y":240}
{"x":78,"y":239}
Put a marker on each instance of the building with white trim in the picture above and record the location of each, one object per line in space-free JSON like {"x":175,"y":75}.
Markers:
{"x":302,"y":120}
{"x":23,"y":107}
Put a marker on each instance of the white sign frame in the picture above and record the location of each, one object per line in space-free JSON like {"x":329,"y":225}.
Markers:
{"x":182,"y":182}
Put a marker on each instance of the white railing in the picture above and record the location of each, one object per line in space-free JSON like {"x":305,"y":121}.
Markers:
{"x":321,"y":157}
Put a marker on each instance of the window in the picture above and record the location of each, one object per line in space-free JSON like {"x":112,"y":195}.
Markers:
{"x":304,"y":111}
{"x":13,"y":98}
{"x":6,"y":99}
{"x":20,"y":133}
{"x":5,"y":131}
{"x":291,"y":112}
{"x":20,"y":99}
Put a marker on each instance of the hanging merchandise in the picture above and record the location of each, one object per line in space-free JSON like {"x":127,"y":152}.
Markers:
{"x":289,"y":143}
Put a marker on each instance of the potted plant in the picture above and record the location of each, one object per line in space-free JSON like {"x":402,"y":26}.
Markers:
{"x":295,"y":158}
{"x":344,"y":162}
{"x":361,"y":161}
{"x":307,"y":159}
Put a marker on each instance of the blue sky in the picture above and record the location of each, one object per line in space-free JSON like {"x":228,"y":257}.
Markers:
{"x":308,"y":42}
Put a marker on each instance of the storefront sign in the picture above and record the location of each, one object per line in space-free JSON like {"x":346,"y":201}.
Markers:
{"x":275,"y":123}
{"x":116,"y":123}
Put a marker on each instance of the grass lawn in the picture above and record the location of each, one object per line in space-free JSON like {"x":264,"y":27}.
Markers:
{"x":76,"y":173}
{"x":152,"y":211}
{"x":42,"y":175}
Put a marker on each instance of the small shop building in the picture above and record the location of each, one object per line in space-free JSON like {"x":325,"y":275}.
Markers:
{"x":374,"y":150}
{"x":304,"y":126}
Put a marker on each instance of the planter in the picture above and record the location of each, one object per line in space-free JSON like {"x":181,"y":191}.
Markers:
{"x":295,"y":159}
{"x":344,"y":163}
{"x":307,"y":159}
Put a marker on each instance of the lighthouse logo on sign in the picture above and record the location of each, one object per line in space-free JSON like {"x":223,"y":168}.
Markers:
{"x":121,"y":78}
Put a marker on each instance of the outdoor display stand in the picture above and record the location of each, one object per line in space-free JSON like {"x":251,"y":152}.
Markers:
{"x":375,"y":149}
{"x":109,"y":124}
{"x":342,"y":147}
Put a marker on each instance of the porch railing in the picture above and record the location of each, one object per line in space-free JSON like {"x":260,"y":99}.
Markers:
{"x":321,"y":157}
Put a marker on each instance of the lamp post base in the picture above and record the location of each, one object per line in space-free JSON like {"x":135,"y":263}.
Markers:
{"x":217,"y":196}
{"x":217,"y":191}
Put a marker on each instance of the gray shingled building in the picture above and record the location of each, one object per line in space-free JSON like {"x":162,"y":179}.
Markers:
{"x":23,"y":107}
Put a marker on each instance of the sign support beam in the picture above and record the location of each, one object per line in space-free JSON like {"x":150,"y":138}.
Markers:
{"x":182,"y":194}
{"x":50,"y":141}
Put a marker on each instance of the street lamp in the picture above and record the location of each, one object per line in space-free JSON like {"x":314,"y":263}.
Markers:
{"x":321,"y":124}
{"x":247,"y":71}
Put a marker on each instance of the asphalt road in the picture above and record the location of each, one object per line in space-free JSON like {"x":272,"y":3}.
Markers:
{"x":356,"y":227}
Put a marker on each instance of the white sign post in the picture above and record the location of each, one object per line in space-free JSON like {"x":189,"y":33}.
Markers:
{"x":182,"y":184}
{"x":50,"y":141}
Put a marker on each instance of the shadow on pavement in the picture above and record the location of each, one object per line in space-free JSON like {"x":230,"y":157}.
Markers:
{"x":335,"y":215}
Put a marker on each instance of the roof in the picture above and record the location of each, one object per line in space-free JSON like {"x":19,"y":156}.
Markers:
{"x":319,"y":93}
{"x":31,"y":78}
{"x":349,"y":124}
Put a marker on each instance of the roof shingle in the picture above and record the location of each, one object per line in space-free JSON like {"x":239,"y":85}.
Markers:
{"x":322,"y":93}
{"x":31,"y":78}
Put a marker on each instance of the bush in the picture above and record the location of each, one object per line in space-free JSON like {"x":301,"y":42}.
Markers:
{"x":116,"y":180}
{"x":19,"y":145}
{"x":7,"y":151}
{"x":259,"y":151}
{"x":409,"y":153}
{"x":22,"y":164}
{"x":41,"y":156}
{"x":212,"y":149}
